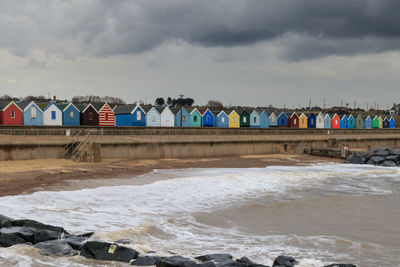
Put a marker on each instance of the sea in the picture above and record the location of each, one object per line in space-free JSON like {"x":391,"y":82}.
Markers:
{"x":319,"y":214}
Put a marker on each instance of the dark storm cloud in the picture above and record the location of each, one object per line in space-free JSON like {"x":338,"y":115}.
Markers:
{"x":302,"y":28}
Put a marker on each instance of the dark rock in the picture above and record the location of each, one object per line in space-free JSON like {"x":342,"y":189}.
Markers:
{"x":340,"y":265}
{"x":26,"y":233}
{"x":219,"y":259}
{"x":370,"y":162}
{"x":377,"y":159}
{"x":370,"y":153}
{"x":76,"y":241}
{"x":284,"y":261}
{"x":56,"y":248}
{"x":383,"y":152}
{"x":124,"y":241}
{"x":38,"y":232}
{"x":146,"y":260}
{"x":85,"y":235}
{"x":8,"y":240}
{"x":394,"y":158}
{"x":356,"y":158}
{"x":4,"y":219}
{"x":246,"y":262}
{"x":178,"y":261}
{"x":388,"y":163}
{"x":101,"y":250}
{"x":395,"y":152}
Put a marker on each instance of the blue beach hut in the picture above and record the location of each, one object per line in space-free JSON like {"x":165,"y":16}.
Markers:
{"x":282,"y":120}
{"x":264,"y":119}
{"x":254,"y":119}
{"x":343,"y":122}
{"x":368,"y":123}
{"x":129,"y":115}
{"x":351,"y":122}
{"x":207,"y":118}
{"x":273,"y":120}
{"x":385,"y":122}
{"x":153,"y":116}
{"x":311,"y":121}
{"x":392,"y":123}
{"x":71,"y":115}
{"x":32,"y":113}
{"x":222,"y":120}
{"x":182,"y":117}
{"x":327,"y":121}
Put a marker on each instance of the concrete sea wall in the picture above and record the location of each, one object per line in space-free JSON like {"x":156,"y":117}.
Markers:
{"x":17,"y":143}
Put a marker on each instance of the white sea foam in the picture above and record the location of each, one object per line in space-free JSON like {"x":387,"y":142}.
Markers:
{"x":166,"y":207}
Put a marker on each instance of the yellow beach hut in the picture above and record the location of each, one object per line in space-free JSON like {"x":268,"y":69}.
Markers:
{"x":303,"y":121}
{"x":380,"y":122}
{"x":234,"y":119}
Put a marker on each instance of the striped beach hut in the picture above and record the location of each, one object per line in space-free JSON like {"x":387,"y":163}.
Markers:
{"x":264,"y":119}
{"x":327,"y":121}
{"x":351,"y":122}
{"x":303,"y":121}
{"x":293,"y":121}
{"x":106,"y":114}
{"x":367,"y":123}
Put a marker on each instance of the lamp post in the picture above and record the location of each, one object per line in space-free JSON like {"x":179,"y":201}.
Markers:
{"x":181,"y":109}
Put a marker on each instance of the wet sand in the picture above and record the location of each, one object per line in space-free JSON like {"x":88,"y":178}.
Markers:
{"x":27,"y":176}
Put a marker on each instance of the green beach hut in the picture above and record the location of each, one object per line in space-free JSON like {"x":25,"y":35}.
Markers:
{"x":359,"y":122}
{"x":195,"y":118}
{"x":375,"y":122}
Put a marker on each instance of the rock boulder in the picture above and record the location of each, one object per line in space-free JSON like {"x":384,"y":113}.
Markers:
{"x":101,"y":250}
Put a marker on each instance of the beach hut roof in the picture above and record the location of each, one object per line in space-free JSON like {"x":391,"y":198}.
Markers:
{"x":22,"y":105}
{"x":124,"y":109}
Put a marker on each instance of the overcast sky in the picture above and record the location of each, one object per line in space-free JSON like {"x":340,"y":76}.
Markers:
{"x":244,"y":52}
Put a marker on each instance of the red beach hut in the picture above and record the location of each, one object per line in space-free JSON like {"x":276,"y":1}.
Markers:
{"x":106,"y":114}
{"x":335,"y":122}
{"x":10,"y":113}
{"x":293,"y":121}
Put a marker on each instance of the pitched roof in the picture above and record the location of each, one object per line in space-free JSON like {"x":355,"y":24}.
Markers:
{"x":22,"y":105}
{"x":4,"y":104}
{"x":124,"y":109}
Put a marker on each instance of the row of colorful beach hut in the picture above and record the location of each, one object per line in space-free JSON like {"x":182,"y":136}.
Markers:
{"x":103,"y":114}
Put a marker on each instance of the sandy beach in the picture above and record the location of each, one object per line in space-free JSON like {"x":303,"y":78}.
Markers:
{"x":27,"y":176}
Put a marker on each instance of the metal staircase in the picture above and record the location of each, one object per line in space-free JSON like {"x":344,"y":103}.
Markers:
{"x":79,"y":146}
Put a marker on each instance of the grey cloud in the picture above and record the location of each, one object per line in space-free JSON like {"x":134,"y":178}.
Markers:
{"x":104,"y":28}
